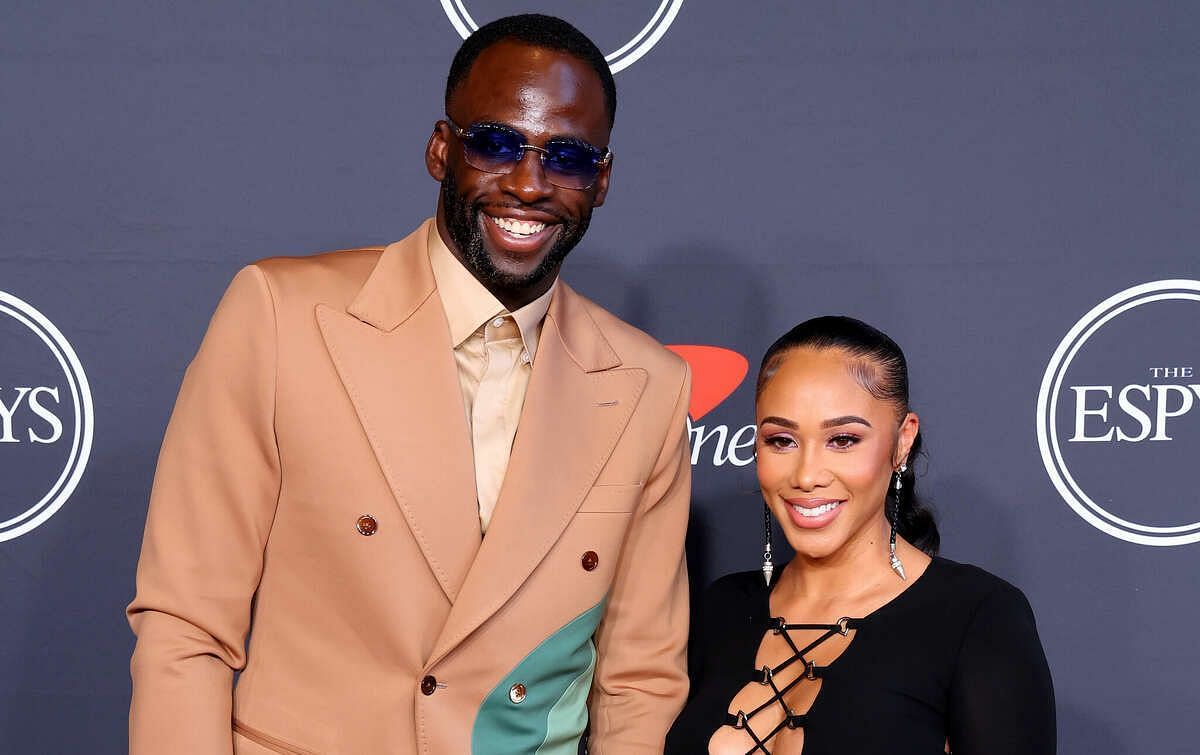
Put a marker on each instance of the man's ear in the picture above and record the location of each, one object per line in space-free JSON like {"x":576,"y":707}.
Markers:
{"x":437,"y":150}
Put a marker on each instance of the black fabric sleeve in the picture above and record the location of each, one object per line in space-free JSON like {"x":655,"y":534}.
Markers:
{"x":1001,"y":696}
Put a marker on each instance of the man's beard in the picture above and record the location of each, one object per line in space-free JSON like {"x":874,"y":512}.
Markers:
{"x":462,"y":221}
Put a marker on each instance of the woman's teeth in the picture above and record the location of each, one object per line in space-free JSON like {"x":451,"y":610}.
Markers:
{"x":517,"y":227}
{"x":824,"y":508}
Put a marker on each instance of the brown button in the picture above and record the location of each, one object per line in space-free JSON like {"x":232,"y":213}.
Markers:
{"x":516,"y":693}
{"x":428,"y":685}
{"x":590,"y":560}
{"x":367,"y":525}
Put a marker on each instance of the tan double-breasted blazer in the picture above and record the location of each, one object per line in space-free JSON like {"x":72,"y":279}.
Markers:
{"x":313,"y":525}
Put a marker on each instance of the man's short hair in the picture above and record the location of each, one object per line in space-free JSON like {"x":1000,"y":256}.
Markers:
{"x":537,"y":30}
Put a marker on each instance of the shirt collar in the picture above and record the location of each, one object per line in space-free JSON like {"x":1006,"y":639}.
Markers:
{"x":468,"y":304}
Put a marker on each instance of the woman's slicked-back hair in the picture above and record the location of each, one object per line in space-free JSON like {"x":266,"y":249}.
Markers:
{"x":878,"y":365}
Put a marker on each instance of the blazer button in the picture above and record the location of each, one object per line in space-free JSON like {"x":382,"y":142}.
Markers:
{"x":590,"y":561}
{"x":428,"y":685}
{"x":367,"y":525}
{"x":516,"y":693}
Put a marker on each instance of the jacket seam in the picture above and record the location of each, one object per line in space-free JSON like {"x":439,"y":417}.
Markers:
{"x":268,"y":741}
{"x":274,"y":391}
{"x":658,"y":458}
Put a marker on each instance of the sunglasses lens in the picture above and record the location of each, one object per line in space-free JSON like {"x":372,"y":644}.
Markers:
{"x":570,"y":165}
{"x":496,"y":149}
{"x":492,"y":149}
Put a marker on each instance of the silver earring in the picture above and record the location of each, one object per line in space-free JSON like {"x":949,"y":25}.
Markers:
{"x":895,"y":560}
{"x":768,"y":568}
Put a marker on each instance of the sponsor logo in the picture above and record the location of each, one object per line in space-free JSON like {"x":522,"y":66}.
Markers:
{"x":45,"y":418}
{"x":618,"y":60}
{"x":1118,"y":414}
{"x":716,"y":374}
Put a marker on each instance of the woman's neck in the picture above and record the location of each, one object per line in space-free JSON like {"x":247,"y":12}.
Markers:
{"x":856,"y":572}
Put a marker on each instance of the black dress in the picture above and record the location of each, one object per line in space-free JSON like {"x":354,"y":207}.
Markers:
{"x":956,"y":655}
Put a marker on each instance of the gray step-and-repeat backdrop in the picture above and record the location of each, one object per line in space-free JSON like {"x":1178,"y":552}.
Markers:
{"x":1012,"y":190}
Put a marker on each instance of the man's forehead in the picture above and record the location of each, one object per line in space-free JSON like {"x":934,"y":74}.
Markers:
{"x":534,"y":87}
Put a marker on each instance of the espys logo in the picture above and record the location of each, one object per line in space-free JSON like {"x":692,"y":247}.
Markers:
{"x":618,"y":60}
{"x":45,"y":418}
{"x":1119,"y":414}
{"x":716,"y":374}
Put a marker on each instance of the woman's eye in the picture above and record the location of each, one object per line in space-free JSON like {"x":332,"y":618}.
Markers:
{"x":843,"y":441}
{"x":779,"y":441}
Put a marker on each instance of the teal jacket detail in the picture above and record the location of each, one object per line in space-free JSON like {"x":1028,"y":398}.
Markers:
{"x":557,"y":677}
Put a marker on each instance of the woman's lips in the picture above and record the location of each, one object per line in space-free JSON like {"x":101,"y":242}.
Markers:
{"x":813,"y":513}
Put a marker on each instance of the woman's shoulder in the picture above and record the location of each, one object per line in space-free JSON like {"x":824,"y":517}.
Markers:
{"x":974,"y":588}
{"x":733,"y":600}
{"x":738,"y":587}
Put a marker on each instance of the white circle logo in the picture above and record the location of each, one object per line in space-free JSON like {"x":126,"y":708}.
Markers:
{"x":31,"y":418}
{"x":1135,"y":438}
{"x":619,"y":59}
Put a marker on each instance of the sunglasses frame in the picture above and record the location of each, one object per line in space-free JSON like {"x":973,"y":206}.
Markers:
{"x":464,"y":133}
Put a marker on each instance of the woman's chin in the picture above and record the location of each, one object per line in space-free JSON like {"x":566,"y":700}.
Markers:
{"x":814,"y":545}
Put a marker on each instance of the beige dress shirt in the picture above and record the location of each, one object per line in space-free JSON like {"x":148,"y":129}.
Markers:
{"x":494,"y":350}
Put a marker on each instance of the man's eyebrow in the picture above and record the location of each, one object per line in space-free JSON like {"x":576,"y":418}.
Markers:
{"x":779,"y":421}
{"x":848,"y":419}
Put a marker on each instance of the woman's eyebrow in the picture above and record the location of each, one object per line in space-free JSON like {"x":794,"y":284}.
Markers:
{"x":779,"y":421}
{"x":849,"y":419}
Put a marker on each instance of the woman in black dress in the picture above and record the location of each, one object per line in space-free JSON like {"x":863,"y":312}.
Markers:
{"x":866,"y":643}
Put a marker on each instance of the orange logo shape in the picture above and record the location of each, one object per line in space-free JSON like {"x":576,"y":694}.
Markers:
{"x":716,"y":373}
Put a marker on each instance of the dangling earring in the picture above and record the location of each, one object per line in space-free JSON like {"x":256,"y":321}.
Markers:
{"x":768,"y":568}
{"x":896,"y":565}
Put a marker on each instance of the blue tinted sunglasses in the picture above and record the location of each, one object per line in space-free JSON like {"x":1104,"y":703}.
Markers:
{"x":567,"y":163}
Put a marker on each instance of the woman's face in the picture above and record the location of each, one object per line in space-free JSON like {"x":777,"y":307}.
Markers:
{"x":826,"y":451}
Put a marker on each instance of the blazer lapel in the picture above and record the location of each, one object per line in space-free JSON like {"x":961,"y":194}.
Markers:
{"x":392,"y":351}
{"x":576,"y":407}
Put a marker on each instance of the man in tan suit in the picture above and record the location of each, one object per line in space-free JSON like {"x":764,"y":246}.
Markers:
{"x":443,"y":494}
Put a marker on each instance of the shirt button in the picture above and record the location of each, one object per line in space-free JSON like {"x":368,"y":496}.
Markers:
{"x":516,"y":693}
{"x":590,"y":561}
{"x":498,"y":322}
{"x":525,"y":358}
{"x":367,"y":525}
{"x":428,"y":685}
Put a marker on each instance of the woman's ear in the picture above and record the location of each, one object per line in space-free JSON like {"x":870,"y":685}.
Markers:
{"x":909,"y":427}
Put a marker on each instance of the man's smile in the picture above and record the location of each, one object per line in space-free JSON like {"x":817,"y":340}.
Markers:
{"x":521,"y":228}
{"x":518,"y":233}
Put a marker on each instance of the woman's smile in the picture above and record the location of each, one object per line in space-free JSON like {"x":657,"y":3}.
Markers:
{"x":813,"y":513}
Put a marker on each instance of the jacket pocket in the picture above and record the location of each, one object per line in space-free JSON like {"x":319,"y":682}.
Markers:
{"x":262,"y":739}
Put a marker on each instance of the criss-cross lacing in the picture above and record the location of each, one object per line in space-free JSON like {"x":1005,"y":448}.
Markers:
{"x":766,"y":677}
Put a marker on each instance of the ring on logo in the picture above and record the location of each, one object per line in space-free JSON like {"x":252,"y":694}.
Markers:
{"x":81,"y":401}
{"x":1048,"y":440}
{"x":619,"y":59}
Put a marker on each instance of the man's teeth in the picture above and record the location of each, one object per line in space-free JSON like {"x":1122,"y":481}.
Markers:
{"x":824,"y":508}
{"x":518,"y":227}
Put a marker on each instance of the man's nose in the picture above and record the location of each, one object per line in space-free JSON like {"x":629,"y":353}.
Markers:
{"x":527,"y":180}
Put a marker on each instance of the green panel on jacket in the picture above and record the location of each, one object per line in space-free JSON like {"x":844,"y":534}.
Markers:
{"x":557,"y":677}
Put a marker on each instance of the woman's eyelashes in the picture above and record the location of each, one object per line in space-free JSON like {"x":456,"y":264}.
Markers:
{"x":839,"y":442}
{"x":779,"y":441}
{"x":843,"y":441}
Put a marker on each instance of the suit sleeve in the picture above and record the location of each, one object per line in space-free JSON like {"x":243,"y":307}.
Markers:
{"x":1001,"y":697}
{"x":641,"y":669}
{"x":211,"y":509}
